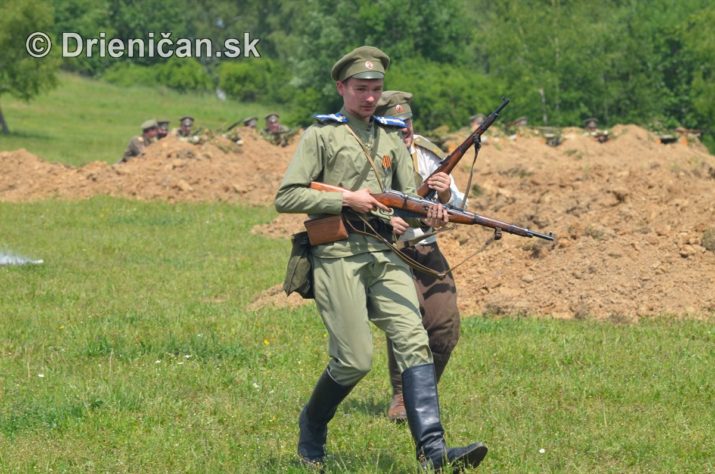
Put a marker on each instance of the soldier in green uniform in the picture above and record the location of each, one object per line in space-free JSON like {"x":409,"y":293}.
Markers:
{"x":275,"y":132}
{"x":163,"y":129}
{"x":138,"y":144}
{"x":591,"y":127}
{"x":185,"y":132}
{"x":437,"y":297}
{"x":359,"y":280}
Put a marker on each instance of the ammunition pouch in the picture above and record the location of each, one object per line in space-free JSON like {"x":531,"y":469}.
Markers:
{"x":299,"y":274}
{"x":326,"y":230}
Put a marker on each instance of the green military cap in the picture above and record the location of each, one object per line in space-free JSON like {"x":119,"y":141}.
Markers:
{"x":365,"y":62}
{"x":186,"y":120}
{"x":591,"y":122}
{"x":250,"y":121}
{"x":162,"y":122}
{"x":395,"y":104}
{"x":272,"y":117}
{"x":149,"y":124}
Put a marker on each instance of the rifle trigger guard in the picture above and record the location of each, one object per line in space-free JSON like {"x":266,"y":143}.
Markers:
{"x":497,"y":234}
{"x":384,"y":215}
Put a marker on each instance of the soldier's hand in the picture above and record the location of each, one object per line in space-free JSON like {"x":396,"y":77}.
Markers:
{"x":362,"y":201}
{"x":440,"y":182}
{"x":437,"y":216}
{"x":399,"y":226}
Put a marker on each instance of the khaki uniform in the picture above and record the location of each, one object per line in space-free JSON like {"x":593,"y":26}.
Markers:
{"x":358,"y":280}
{"x":437,"y":297}
{"x":278,"y":138}
{"x":135,"y":148}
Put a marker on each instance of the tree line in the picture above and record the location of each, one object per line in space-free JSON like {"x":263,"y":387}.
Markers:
{"x":560,"y":62}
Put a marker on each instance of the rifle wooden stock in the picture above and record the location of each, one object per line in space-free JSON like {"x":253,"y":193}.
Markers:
{"x":418,"y":207}
{"x":451,"y":161}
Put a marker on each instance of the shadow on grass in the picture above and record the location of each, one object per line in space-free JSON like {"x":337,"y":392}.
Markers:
{"x":28,"y":135}
{"x":368,"y":406}
{"x":341,"y":463}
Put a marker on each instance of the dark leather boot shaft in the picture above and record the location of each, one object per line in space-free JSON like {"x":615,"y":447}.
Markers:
{"x":314,"y":418}
{"x":419,"y":389}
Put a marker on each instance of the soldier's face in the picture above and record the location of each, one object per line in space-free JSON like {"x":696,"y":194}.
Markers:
{"x":360,"y":96}
{"x":408,"y":133}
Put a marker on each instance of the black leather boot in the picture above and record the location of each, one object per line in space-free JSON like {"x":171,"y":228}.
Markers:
{"x":419,"y":388}
{"x":314,"y":418}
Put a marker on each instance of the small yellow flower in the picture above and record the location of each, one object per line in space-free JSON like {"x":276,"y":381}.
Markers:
{"x":266,"y":342}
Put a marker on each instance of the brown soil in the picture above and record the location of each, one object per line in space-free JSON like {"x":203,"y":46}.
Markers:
{"x":170,"y":170}
{"x":632,"y":216}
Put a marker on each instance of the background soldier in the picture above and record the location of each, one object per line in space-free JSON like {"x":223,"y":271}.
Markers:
{"x":163,"y":129}
{"x":358,"y":279}
{"x":185,"y":132}
{"x":139,"y":143}
{"x":438,"y":298}
{"x":591,"y":126}
{"x":274,"y":131}
{"x":250,"y":122}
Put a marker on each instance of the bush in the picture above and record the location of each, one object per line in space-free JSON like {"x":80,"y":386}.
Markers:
{"x":179,"y":74}
{"x":262,"y":80}
{"x":443,"y":94}
{"x":183,"y":74}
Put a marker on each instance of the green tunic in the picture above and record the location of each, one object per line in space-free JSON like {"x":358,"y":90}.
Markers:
{"x":359,"y":280}
{"x":329,"y":153}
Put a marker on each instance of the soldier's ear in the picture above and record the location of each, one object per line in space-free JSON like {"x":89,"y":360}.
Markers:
{"x":340,"y":86}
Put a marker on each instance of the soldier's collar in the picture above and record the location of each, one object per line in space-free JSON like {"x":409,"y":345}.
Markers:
{"x":356,"y":122}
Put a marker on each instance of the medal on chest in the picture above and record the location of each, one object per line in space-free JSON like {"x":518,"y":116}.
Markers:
{"x":386,"y":162}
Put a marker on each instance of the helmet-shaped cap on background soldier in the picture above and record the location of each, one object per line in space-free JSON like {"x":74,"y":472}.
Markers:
{"x":365,"y":62}
{"x":149,"y":124}
{"x":186,"y":120}
{"x":272,"y":117}
{"x":163,"y":123}
{"x":395,"y":104}
{"x":590,"y":122}
{"x":248,"y":121}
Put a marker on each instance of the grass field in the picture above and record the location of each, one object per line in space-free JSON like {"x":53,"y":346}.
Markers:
{"x":131,"y":350}
{"x":85,"y":120}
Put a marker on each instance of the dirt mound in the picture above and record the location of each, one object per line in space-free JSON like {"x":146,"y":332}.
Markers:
{"x":630,"y":215}
{"x":170,"y":170}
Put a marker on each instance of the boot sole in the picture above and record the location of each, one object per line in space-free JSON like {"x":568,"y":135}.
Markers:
{"x":471,"y":459}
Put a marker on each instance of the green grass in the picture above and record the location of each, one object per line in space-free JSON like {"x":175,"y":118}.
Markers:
{"x":131,"y":350}
{"x":85,"y":120}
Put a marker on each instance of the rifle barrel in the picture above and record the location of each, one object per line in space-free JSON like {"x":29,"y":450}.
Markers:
{"x":451,"y":161}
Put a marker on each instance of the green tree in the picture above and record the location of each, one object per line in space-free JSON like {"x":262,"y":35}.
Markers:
{"x":321,"y":32}
{"x":22,"y":75}
{"x":699,"y":41}
{"x":88,"y":18}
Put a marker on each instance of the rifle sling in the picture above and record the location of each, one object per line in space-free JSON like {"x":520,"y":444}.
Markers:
{"x":406,"y":258}
{"x":368,"y":156}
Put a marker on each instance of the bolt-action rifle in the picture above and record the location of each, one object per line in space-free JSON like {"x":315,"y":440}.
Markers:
{"x":451,"y":161}
{"x":410,"y":206}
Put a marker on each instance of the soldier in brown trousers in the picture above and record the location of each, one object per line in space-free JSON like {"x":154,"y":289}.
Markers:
{"x":437,"y":297}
